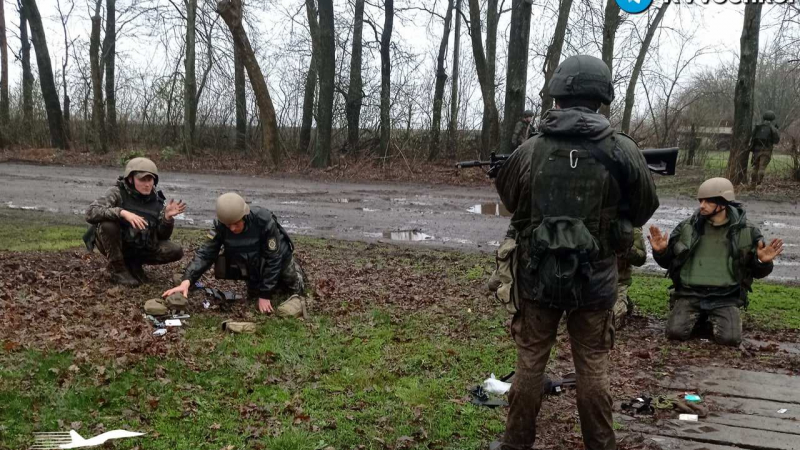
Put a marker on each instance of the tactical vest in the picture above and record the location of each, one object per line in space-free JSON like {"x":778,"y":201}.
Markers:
{"x":763,"y":134}
{"x":574,"y":206}
{"x":241,"y":252}
{"x":149,"y":208}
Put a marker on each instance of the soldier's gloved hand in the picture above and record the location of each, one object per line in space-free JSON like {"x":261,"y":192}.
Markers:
{"x":183,"y":288}
{"x":136,"y":221}
{"x":658,"y":240}
{"x":174,"y":208}
{"x":265,"y":305}
{"x":766,"y":253}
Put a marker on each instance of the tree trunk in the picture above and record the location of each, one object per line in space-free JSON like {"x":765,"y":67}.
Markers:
{"x":386,"y":72}
{"x":54,"y":119}
{"x":354,"y":95}
{"x":190,"y":78}
{"x":630,"y":92}
{"x":241,"y":100}
{"x":109,"y":62}
{"x":4,"y":106}
{"x":485,"y":67}
{"x":553,"y":56}
{"x":311,"y":79}
{"x":231,"y":13}
{"x":610,"y":25}
{"x":452,"y":127}
{"x":743,"y":96}
{"x":517,"y":70}
{"x":326,"y":73}
{"x":98,"y":110}
{"x":438,"y":92}
{"x":27,"y":74}
{"x":308,"y":104}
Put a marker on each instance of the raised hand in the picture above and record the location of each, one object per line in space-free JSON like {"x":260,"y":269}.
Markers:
{"x":135,"y":220}
{"x":766,"y":253}
{"x":658,"y":240}
{"x":174,"y":208}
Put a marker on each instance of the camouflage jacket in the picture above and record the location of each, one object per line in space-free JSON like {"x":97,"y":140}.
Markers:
{"x":635,"y":257}
{"x":108,"y":207}
{"x":521,"y":134}
{"x":264,"y":246}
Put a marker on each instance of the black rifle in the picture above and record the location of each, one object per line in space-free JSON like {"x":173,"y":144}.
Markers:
{"x":659,"y":160}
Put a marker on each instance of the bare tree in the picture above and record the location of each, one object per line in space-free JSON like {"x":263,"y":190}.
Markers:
{"x":109,"y":63}
{"x":25,"y":57}
{"x":485,"y":68}
{"x":517,"y":68}
{"x":386,"y":72}
{"x":241,"y":100}
{"x":553,"y":56}
{"x":231,"y":12}
{"x":354,"y":91}
{"x":630,"y":92}
{"x":311,"y":76}
{"x":326,"y":73}
{"x":441,"y":78}
{"x":98,"y":108}
{"x":611,"y":21}
{"x":49,"y":92}
{"x":190,"y":77}
{"x":452,"y":127}
{"x":4,"y":107}
{"x":743,"y":97}
{"x":64,"y":64}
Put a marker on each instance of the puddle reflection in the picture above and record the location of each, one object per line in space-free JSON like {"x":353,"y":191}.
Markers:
{"x":407,"y":235}
{"x":490,"y":209}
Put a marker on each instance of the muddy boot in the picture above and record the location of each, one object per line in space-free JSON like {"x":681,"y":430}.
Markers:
{"x":121,"y":275}
{"x":135,"y":268}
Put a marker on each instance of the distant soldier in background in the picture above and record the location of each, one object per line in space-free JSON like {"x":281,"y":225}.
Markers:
{"x":765,"y":136}
{"x":523,"y":129}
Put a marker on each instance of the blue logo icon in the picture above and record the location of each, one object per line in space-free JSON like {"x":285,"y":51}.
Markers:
{"x":633,"y":6}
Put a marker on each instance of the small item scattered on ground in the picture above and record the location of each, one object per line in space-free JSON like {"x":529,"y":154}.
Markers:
{"x":160,"y":332}
{"x":239,"y":327}
{"x":782,"y":411}
{"x":155,"y":307}
{"x":222,"y":296}
{"x":556,"y":387}
{"x":639,"y":405}
{"x":481,"y":398}
{"x":294,"y":306}
{"x":206,"y":304}
{"x":692,"y":398}
{"x":494,"y":386}
{"x":688,"y":417}
{"x":74,"y":440}
{"x":691,"y":408}
{"x":172,"y":322}
{"x":156,"y":323}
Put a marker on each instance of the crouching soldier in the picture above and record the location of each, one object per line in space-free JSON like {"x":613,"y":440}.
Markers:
{"x":255,"y":248}
{"x":132,"y":223}
{"x":712,"y":258}
{"x":635,"y":256}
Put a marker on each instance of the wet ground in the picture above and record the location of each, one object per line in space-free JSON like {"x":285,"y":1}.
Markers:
{"x":455,"y":217}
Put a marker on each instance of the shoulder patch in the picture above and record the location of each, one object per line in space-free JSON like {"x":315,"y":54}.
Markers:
{"x":272,"y":244}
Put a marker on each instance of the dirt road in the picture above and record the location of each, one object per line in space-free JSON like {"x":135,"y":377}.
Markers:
{"x":454,"y":217}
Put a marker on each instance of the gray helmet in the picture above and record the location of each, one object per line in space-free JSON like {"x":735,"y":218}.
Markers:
{"x":768,"y":115}
{"x":141,"y":165}
{"x":716,"y":187}
{"x":231,"y":207}
{"x":582,"y":76}
{"x":527,"y":113}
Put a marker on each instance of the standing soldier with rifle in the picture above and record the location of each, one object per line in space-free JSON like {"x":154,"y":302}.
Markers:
{"x":576,"y":190}
{"x":523,"y":129}
{"x":765,"y":136}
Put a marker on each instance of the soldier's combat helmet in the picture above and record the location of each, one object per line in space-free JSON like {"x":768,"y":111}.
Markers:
{"x":716,"y":187}
{"x":231,"y":207}
{"x":768,"y":115}
{"x":527,"y":113}
{"x":141,"y":167}
{"x":582,"y":76}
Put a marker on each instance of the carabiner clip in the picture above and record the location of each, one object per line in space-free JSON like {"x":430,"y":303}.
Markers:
{"x":573,"y":163}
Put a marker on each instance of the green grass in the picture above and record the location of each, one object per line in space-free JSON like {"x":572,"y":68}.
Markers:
{"x":294,"y":385}
{"x":780,"y":165}
{"x":22,"y":237}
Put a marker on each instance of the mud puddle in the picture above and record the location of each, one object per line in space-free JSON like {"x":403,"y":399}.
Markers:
{"x":490,"y":209}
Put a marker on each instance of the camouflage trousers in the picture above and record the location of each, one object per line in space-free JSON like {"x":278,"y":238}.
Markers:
{"x":292,"y":280}
{"x":109,"y":243}
{"x":591,"y":336}
{"x":760,"y":161}
{"x":726,"y":322}
{"x":623,"y":308}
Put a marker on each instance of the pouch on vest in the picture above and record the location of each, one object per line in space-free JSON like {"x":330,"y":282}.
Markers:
{"x":503,"y":277}
{"x":562,"y":249}
{"x":763,"y":134}
{"x":226,"y":268}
